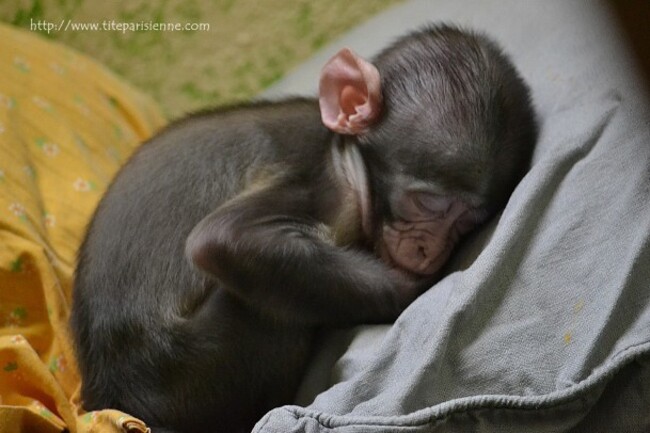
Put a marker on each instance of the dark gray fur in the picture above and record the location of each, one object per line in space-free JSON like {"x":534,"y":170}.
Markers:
{"x":212,"y":350}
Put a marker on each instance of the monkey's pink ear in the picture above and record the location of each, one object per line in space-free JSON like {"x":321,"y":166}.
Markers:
{"x":350,"y":93}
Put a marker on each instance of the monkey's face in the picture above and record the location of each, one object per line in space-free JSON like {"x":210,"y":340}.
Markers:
{"x":424,"y":229}
{"x":419,"y":220}
{"x":432,"y":172}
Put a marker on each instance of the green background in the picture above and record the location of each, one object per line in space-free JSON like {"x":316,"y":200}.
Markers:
{"x":250,"y":44}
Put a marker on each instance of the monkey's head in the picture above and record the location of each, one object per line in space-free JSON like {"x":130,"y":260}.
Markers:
{"x":446,"y":129}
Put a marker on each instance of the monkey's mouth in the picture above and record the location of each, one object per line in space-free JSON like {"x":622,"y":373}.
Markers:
{"x":415,"y":247}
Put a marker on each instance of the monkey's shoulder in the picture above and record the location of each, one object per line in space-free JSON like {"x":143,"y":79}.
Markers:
{"x":231,"y":147}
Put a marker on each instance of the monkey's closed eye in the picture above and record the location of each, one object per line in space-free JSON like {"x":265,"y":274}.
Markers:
{"x":434,"y":204}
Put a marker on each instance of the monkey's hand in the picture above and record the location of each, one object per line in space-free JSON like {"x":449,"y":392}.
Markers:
{"x":408,"y":285}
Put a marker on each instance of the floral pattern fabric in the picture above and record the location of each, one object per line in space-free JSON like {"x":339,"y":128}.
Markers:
{"x":66,"y":125}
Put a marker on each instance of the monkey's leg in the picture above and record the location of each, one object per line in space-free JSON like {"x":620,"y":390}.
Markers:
{"x":269,"y":249}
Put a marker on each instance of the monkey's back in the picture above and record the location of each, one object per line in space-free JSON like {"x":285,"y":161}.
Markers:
{"x":152,"y":332}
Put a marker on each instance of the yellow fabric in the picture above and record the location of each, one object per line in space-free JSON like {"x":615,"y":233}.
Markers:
{"x":66,"y":125}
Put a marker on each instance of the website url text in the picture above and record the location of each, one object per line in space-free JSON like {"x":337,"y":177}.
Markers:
{"x":115,"y":26}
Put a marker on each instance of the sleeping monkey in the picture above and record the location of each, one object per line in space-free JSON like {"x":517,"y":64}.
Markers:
{"x":234,"y":234}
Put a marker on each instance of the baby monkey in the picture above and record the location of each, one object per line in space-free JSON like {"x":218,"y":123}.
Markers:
{"x":234,"y":234}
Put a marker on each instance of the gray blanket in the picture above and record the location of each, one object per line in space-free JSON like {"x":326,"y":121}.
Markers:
{"x":544,"y":326}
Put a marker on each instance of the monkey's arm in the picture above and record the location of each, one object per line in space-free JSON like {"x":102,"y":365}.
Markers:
{"x":269,"y":249}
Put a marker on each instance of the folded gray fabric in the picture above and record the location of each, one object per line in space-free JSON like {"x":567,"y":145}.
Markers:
{"x":546,"y":327}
